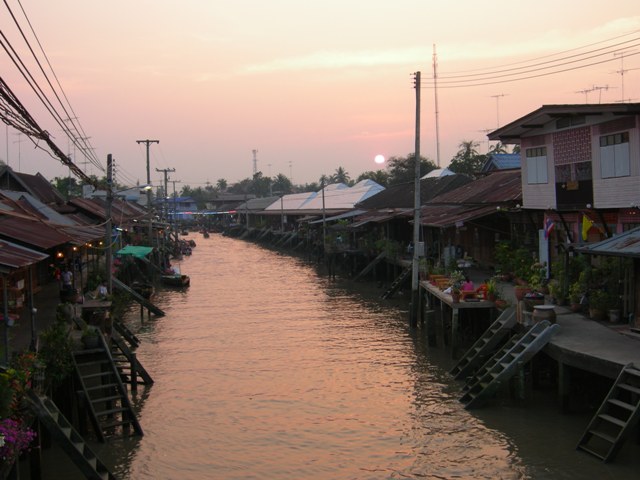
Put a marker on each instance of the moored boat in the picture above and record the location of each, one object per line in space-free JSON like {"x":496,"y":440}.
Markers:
{"x":174,"y":278}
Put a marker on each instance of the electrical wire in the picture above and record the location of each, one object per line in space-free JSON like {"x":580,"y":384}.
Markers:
{"x":534,"y":70}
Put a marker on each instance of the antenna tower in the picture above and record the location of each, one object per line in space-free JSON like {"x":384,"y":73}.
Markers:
{"x":255,"y":161}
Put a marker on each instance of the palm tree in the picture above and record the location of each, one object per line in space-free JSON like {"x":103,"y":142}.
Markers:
{"x":221,"y":184}
{"x":341,"y":176}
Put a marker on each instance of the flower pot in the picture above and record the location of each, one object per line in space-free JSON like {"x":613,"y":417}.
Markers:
{"x":520,"y":291}
{"x":596,"y":314}
{"x":614,"y":315}
{"x":455,"y":297}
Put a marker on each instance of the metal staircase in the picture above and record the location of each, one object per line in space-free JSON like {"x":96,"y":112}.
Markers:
{"x":105,"y":397}
{"x":615,"y":418}
{"x":505,"y":363}
{"x":397,"y":283}
{"x":486,"y":345}
{"x":68,"y":438}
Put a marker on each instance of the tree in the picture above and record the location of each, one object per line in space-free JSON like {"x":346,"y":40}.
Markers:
{"x":402,"y":170}
{"x":497,"y":149}
{"x":67,"y":186}
{"x":468,"y":161}
{"x":381,"y":177}
{"x":221,"y":184}
{"x":282,"y":184}
{"x":340,"y":176}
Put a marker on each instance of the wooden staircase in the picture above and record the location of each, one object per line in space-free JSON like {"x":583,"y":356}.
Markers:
{"x":127,"y":334}
{"x":63,"y":433}
{"x":138,"y":298}
{"x":105,"y":397}
{"x":372,"y":264}
{"x":615,"y":418}
{"x":486,"y":345}
{"x":505,"y":363}
{"x":397,"y":283}
{"x":129,"y":367}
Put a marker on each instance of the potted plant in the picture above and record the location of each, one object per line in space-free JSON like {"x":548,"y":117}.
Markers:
{"x":600,"y":302}
{"x":90,"y":337}
{"x":456,"y":279}
{"x":492,"y":289}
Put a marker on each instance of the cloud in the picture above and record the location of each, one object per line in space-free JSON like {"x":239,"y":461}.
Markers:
{"x":338,"y":60}
{"x":542,"y":43}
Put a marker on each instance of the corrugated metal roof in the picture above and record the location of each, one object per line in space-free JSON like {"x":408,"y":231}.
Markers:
{"x":39,"y":187}
{"x":444,"y":216}
{"x":496,"y":188}
{"x":401,"y":195}
{"x":81,"y":234}
{"x":501,"y":161}
{"x":625,"y":244}
{"x":35,"y":207}
{"x":14,"y":257}
{"x":31,"y":232}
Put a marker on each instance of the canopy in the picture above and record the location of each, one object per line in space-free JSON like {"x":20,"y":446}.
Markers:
{"x":136,"y":251}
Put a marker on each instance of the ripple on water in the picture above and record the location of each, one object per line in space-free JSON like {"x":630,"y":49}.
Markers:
{"x":263,"y":370}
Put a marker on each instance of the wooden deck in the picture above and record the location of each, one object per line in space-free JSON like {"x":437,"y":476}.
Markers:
{"x":437,"y":299}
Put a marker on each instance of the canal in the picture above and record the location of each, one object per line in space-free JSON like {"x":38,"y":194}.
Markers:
{"x":264,"y":369}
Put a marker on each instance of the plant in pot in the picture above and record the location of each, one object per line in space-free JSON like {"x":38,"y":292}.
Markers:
{"x":456,"y":278}
{"x":90,"y":336}
{"x":600,"y":302}
{"x":492,"y":289}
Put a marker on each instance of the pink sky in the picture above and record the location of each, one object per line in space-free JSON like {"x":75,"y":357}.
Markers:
{"x":312,"y":86}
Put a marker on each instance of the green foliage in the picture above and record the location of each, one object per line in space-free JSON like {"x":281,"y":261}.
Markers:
{"x":381,"y":177}
{"x":56,"y":352}
{"x":402,"y":170}
{"x":468,"y":161}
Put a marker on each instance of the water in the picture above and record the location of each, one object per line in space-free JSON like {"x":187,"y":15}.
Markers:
{"x":265,"y":370}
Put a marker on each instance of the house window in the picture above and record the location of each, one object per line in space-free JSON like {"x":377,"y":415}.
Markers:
{"x":537,"y":165}
{"x":614,"y":155}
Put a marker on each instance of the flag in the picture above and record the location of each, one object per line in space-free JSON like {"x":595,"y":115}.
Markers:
{"x":548,"y":227}
{"x":586,"y":226}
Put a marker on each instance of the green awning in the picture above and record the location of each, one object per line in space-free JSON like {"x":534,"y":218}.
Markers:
{"x":136,"y":251}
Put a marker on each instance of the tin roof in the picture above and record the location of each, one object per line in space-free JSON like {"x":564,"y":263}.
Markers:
{"x":498,"y":187}
{"x":36,"y":185}
{"x":625,"y":244}
{"x":444,"y":216}
{"x":14,"y":257}
{"x":31,"y":232}
{"x":401,"y":195}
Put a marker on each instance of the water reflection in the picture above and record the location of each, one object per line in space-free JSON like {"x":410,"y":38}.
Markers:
{"x":263,"y":370}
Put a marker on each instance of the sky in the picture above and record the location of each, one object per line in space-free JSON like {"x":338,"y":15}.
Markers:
{"x":310,"y":86}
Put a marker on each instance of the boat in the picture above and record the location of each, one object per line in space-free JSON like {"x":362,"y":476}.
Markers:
{"x":144,"y":289}
{"x":173,"y":278}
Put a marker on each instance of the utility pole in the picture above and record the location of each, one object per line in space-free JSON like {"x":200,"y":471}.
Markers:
{"x":107,"y":225}
{"x":149,"y":211}
{"x":435,"y":94}
{"x":175,"y":210}
{"x":166,"y":194}
{"x":415,"y":287}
